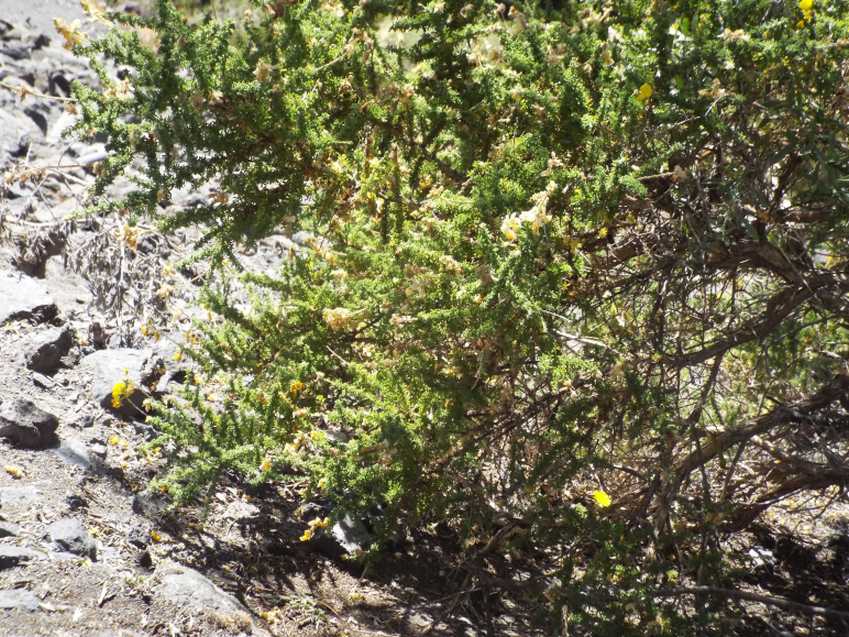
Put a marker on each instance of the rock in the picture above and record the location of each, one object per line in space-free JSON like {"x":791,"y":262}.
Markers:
{"x":18,"y":495}
{"x":12,"y":556}
{"x":75,"y":502}
{"x":43,"y":351}
{"x":18,"y":599}
{"x":25,"y":425}
{"x":188,"y":588}
{"x":352,"y":535}
{"x":110,"y":366}
{"x":149,"y":503}
{"x":37,"y":116}
{"x":22,"y":297}
{"x":7,"y":529}
{"x":75,"y":452}
{"x":70,"y":536}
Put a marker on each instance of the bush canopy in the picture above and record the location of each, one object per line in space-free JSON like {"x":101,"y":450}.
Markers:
{"x":577,"y":280}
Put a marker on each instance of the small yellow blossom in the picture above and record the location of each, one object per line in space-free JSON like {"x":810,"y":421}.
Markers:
{"x":645,"y":92}
{"x":318,"y":436}
{"x":307,"y":535}
{"x":117,"y":441}
{"x":265,"y":465}
{"x":296,"y":388}
{"x":510,"y":227}
{"x":155,"y":536}
{"x":121,"y":391}
{"x":94,"y":9}
{"x":16,"y":472}
{"x":70,"y":32}
{"x":601,"y":499}
{"x":319,"y":523}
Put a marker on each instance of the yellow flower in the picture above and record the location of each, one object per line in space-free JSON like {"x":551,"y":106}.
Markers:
{"x":645,"y":92}
{"x":16,"y":472}
{"x":117,"y":441}
{"x":70,"y":32}
{"x":806,"y":5}
{"x":601,"y":499}
{"x":307,"y":535}
{"x":510,"y":228}
{"x":265,"y":465}
{"x":295,"y":388}
{"x":121,"y":391}
{"x":155,"y":536}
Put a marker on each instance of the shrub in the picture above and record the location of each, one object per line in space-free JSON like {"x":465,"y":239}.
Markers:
{"x":558,"y":249}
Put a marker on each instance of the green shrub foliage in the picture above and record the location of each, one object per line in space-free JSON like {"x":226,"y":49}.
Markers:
{"x":557,"y":248}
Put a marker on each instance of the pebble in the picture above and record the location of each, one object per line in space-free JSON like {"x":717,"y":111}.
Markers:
{"x":22,"y":297}
{"x":44,"y":350}
{"x":18,"y":599}
{"x":69,"y":535}
{"x":26,"y":425}
{"x":12,"y":556}
{"x":110,"y":366}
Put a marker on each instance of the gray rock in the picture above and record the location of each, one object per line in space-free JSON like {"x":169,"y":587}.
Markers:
{"x":149,"y":503}
{"x":22,"y":297}
{"x":18,"y":599}
{"x":26,"y":425}
{"x":75,"y":452}
{"x":70,"y":536}
{"x":188,"y":588}
{"x":43,"y":351}
{"x":7,"y":529}
{"x":352,"y":535}
{"x":18,"y":495}
{"x":12,"y":556}
{"x":110,"y":366}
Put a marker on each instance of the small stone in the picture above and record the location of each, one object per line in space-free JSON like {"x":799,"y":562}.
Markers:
{"x":110,"y":366}
{"x":75,"y":452}
{"x":26,"y":425}
{"x":12,"y":556}
{"x":188,"y":588}
{"x":18,"y":599}
{"x":43,"y":351}
{"x":75,"y":502}
{"x":22,"y":297}
{"x":18,"y":495}
{"x":351,"y":534}
{"x":149,"y":503}
{"x":98,"y":449}
{"x":70,"y":536}
{"x":7,"y":529}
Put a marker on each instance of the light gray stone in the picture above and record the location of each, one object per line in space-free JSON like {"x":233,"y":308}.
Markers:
{"x":12,"y":556}
{"x":22,"y":297}
{"x":188,"y":588}
{"x":7,"y":529}
{"x":18,"y":599}
{"x":69,"y":535}
{"x":75,"y":452}
{"x":18,"y":495}
{"x":110,"y":366}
